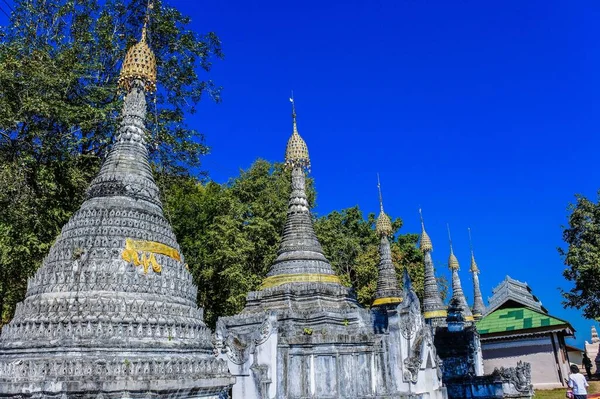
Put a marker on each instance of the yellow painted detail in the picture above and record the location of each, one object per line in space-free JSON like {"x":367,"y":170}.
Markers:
{"x":148,"y":249}
{"x":386,"y":301}
{"x":469,"y":318}
{"x":274,"y":281}
{"x":435,"y":313}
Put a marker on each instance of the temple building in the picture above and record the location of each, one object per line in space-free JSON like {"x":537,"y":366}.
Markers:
{"x":303,"y":334}
{"x":517,"y":327}
{"x":112,"y":311}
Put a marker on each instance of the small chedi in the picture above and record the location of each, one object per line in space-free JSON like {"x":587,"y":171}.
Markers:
{"x":434,"y":310}
{"x":303,"y":335}
{"x":112,"y":311}
{"x":591,"y":349}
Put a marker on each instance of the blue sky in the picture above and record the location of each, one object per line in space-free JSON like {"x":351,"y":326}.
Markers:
{"x":485,"y":114}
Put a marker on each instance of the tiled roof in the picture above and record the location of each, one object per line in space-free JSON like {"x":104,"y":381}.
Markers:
{"x":514,"y":319}
{"x":516,"y":291}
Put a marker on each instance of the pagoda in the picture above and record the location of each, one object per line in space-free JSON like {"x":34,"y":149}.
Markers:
{"x":478,"y":308}
{"x":387,"y":292}
{"x":434,"y":310}
{"x":112,"y":311}
{"x":303,"y":334}
{"x":461,"y":311}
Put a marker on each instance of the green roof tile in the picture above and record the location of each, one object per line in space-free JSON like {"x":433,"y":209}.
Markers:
{"x":511,"y":319}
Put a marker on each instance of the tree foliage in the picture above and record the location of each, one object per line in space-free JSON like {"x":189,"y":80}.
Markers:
{"x":582,"y":256}
{"x":59,"y":107}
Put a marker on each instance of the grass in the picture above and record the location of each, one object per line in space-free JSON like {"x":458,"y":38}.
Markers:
{"x":560,"y":392}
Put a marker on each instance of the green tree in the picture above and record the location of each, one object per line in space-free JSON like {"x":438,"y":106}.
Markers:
{"x":59,"y":106}
{"x":582,"y":257}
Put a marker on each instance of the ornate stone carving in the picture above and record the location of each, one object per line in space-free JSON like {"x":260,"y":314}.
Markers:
{"x":412,"y":363}
{"x":519,"y":376}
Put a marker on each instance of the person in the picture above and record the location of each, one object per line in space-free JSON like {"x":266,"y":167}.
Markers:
{"x":578,"y":383}
{"x":587,"y":363}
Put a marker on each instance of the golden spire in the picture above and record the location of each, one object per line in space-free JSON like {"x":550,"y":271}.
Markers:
{"x":140,"y":62}
{"x":474,"y":268}
{"x":383,"y":227}
{"x":296,"y":152}
{"x":452,"y":261}
{"x":425,"y":244}
{"x":294,"y":125}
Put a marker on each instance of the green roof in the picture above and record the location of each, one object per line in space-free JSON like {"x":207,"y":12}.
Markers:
{"x":513,"y":319}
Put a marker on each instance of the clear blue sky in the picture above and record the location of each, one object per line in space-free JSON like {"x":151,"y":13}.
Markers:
{"x":485,"y":114}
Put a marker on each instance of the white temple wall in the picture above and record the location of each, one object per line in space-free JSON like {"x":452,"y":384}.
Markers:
{"x":537,"y":351}
{"x":328,"y":374}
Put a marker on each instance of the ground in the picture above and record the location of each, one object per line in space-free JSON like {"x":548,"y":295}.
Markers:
{"x":561,"y":392}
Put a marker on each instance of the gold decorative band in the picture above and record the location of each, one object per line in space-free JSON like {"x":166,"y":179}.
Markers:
{"x":148,"y":249}
{"x":435,"y":313}
{"x":274,"y":281}
{"x":386,"y":301}
{"x":469,"y":318}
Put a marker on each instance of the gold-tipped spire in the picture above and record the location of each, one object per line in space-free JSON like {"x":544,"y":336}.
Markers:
{"x":383,"y":227}
{"x":452,"y":261}
{"x":140,"y":62}
{"x":474,"y":268}
{"x":425,"y":244}
{"x":296,"y":152}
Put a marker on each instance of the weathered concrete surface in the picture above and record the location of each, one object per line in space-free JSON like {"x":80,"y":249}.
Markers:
{"x":112,"y":311}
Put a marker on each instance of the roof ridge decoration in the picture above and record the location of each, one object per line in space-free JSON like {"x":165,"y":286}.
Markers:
{"x":434,"y":310}
{"x":300,"y":257}
{"x":388,"y":291}
{"x":478,"y":305}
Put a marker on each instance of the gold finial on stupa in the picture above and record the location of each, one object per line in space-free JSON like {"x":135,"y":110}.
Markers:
{"x":140,"y":62}
{"x":383,"y":227}
{"x":425,"y":244}
{"x":452,"y":261}
{"x":296,"y":152}
{"x":474,"y":268}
